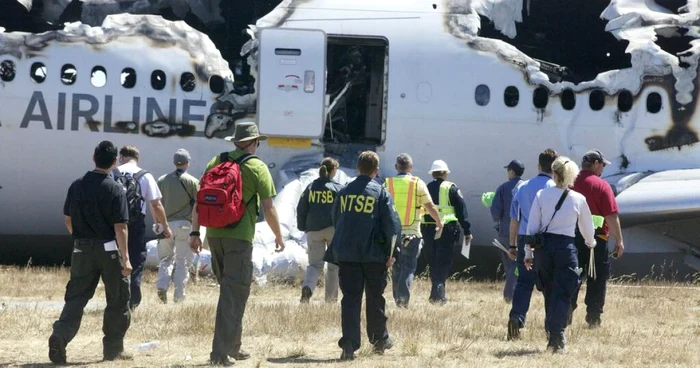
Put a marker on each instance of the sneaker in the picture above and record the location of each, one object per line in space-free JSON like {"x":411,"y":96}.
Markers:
{"x":163,"y":295}
{"x":57,"y":350}
{"x":240,"y":355}
{"x":348,"y":352}
{"x":122,"y":355}
{"x":306,"y":294}
{"x":382,"y":346}
{"x":513,"y":329}
{"x":593,"y":320}
{"x":219,"y":361}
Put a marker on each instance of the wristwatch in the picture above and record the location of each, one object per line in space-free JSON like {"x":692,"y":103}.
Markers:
{"x":194,"y":233}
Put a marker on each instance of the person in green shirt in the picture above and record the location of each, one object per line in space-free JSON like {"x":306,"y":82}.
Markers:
{"x":232,"y":248}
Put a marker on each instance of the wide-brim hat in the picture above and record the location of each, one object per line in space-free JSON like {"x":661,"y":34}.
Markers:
{"x":245,"y":131}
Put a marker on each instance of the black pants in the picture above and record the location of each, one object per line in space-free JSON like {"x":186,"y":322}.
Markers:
{"x":443,"y":254}
{"x":137,"y":256}
{"x":354,"y":279}
{"x":88,"y":262}
{"x":595,"y":289}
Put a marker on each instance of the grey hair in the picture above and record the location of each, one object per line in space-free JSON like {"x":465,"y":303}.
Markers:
{"x":404,"y":161}
{"x":566,"y":171}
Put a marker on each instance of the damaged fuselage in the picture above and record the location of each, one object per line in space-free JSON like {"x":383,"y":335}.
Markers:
{"x":402,"y":76}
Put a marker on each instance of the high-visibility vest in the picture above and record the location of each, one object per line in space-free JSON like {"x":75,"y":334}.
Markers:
{"x":404,"y":191}
{"x":445,"y":208}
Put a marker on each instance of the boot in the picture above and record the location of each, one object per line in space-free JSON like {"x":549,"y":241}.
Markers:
{"x":348,"y":352}
{"x":306,"y":294}
{"x":513,"y":329}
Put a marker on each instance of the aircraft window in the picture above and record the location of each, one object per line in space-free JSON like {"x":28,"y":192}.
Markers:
{"x":69,"y":74}
{"x":483,"y":95}
{"x":38,"y":72}
{"x":158,"y":80}
{"x":624,"y":101}
{"x":8,"y":70}
{"x":596,"y":100}
{"x":654,"y":102}
{"x":540,"y":97}
{"x":98,"y":76}
{"x":216,"y":84}
{"x":511,"y":96}
{"x":187,"y":82}
{"x":568,"y":99}
{"x":128,"y":78}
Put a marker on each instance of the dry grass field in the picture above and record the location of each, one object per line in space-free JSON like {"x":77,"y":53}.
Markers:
{"x":650,"y":324}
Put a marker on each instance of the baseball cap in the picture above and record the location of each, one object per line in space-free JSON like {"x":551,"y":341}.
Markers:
{"x":181,"y":157}
{"x":595,"y":155}
{"x":515,"y":165}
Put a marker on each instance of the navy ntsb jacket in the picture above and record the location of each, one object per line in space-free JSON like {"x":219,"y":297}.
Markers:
{"x":365,"y":221}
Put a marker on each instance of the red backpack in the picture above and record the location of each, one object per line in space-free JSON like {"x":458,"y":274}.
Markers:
{"x":220,"y":197}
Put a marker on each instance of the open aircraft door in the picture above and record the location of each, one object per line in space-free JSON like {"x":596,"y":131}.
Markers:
{"x":291,"y":83}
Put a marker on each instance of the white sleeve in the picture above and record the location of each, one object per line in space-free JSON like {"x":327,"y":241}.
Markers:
{"x":152,"y":190}
{"x":585,"y":222}
{"x":534,"y":221}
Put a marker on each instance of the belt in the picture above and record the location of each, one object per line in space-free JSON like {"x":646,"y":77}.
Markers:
{"x":89,"y":241}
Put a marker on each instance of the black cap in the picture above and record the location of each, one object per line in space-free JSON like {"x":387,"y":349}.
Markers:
{"x":594,"y":155}
{"x":516,"y":166}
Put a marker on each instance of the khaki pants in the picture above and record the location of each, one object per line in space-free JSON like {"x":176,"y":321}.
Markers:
{"x":175,"y":250}
{"x":317,"y":243}
{"x":232,"y":262}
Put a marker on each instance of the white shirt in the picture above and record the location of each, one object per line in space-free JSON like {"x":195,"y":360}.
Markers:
{"x":574,"y":209}
{"x":149,"y":185}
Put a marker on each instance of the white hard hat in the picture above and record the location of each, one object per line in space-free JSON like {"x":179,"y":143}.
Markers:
{"x":439,"y":165}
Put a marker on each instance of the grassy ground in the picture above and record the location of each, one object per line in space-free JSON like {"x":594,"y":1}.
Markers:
{"x":644,"y":324}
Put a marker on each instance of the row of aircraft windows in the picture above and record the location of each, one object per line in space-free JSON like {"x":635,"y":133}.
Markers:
{"x":540,"y":98}
{"x":98,"y":77}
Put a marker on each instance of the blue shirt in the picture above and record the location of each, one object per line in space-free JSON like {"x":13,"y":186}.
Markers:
{"x":523,"y":197}
{"x":500,"y":207}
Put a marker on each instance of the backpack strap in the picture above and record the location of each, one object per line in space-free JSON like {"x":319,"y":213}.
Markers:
{"x":140,"y":174}
{"x":223,"y":157}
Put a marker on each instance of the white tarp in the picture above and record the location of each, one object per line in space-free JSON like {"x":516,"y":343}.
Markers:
{"x":268,"y":265}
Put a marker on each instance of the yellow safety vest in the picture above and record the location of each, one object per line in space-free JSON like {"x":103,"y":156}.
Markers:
{"x":445,"y":209}
{"x":404,"y":191}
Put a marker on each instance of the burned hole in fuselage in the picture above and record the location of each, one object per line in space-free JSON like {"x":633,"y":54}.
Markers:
{"x":69,"y":74}
{"x":187,"y":82}
{"x":158,"y":80}
{"x":570,"y":38}
{"x":673,"y":41}
{"x":38,"y":72}
{"x":128,"y":78}
{"x":8,"y":70}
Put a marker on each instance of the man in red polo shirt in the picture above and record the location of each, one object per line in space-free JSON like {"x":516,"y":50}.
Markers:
{"x":601,"y":201}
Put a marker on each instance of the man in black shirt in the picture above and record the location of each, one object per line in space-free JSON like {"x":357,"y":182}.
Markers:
{"x":96,"y":216}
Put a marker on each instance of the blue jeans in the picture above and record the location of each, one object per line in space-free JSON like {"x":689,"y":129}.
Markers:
{"x":556,"y":264}
{"x":509,"y":270}
{"x":403,"y":270}
{"x":523,"y":287}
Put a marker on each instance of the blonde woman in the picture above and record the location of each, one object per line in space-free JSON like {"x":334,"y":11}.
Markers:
{"x":554,"y":216}
{"x":314,"y":217}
